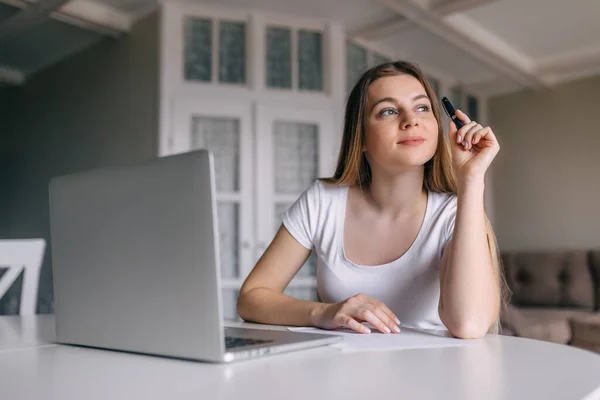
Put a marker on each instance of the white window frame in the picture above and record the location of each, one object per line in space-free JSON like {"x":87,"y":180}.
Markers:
{"x":173,"y":86}
{"x":274,"y":20}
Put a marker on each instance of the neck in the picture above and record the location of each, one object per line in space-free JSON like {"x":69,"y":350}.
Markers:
{"x":397,"y":195}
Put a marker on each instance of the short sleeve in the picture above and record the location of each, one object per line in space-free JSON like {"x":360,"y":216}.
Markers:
{"x":450,"y":217}
{"x":302,"y":217}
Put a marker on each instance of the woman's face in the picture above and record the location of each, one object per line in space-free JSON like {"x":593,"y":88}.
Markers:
{"x":398,"y":109}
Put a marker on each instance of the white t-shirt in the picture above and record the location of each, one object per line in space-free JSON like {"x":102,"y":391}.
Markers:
{"x":409,"y":286}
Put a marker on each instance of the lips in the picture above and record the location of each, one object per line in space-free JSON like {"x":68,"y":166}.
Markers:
{"x":415,"y":140}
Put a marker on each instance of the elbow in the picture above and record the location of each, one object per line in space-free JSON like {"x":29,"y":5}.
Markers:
{"x":246,"y":304}
{"x":242,"y":307}
{"x":468,"y":330}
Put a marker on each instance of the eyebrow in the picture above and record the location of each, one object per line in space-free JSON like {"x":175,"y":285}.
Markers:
{"x":393,"y":100}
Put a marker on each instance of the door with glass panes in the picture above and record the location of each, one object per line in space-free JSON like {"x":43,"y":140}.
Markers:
{"x":294,"y":148}
{"x":289,"y":149}
{"x":225,"y":129}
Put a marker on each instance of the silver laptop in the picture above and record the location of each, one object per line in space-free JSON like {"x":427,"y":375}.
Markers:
{"x":136,"y":264}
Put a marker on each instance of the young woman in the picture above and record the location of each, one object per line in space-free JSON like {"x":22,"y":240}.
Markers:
{"x":400,"y":231}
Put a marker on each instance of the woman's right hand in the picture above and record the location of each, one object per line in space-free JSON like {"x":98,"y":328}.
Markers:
{"x":351,"y":312}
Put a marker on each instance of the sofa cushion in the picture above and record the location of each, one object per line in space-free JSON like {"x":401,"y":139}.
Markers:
{"x":585,"y":332}
{"x":552,"y":325}
{"x":550,"y":279}
{"x":556,"y":330}
{"x":595,"y":270}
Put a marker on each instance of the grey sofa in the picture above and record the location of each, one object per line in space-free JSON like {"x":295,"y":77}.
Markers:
{"x":551,"y":289}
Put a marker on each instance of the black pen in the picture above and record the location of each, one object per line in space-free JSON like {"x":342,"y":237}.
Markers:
{"x":451,"y":111}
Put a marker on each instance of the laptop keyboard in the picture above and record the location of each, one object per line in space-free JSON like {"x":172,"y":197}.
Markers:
{"x":232,"y":342}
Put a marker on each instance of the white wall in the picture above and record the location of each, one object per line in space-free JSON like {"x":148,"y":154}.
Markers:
{"x":547,"y":174}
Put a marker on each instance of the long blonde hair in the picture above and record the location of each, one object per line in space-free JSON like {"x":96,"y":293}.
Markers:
{"x":353,"y":167}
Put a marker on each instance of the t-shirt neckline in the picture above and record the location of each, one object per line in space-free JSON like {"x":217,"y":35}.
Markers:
{"x":401,"y":260}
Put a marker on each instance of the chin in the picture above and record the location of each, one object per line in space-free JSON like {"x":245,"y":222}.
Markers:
{"x":409,"y":163}
{"x":414,"y":159}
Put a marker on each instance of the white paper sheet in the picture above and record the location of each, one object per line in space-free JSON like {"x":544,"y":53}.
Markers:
{"x":408,"y":338}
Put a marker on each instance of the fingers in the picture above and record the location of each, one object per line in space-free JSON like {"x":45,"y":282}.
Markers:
{"x":463,"y":117}
{"x":374,"y":320}
{"x":451,"y":129}
{"x":388,"y":313}
{"x":353,"y":324}
{"x":460,"y":135}
{"x":388,"y":322}
{"x":473,"y":133}
{"x":467,"y":142}
{"x":480,"y":134}
{"x":359,"y":308}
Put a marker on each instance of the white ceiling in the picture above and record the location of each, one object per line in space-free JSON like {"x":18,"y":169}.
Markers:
{"x":542,"y":28}
{"x":488,"y":46}
{"x":353,"y":13}
{"x":424,"y":47}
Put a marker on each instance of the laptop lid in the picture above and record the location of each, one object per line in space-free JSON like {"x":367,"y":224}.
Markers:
{"x":135,"y":258}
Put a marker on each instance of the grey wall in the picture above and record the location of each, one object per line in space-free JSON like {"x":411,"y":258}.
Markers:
{"x":546,"y":177}
{"x":97,"y":108}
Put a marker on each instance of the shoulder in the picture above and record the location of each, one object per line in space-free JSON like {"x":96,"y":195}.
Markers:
{"x":443,"y":201}
{"x":309,"y":216}
{"x":320,"y":196}
{"x":324,"y":192}
{"x":443,"y":214}
{"x":443,"y":206}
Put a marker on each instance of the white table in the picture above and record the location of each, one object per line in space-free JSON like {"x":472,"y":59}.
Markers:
{"x":500,"y":367}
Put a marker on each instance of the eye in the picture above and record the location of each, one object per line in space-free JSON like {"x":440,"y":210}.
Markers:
{"x":387,"y":111}
{"x":424,"y":108}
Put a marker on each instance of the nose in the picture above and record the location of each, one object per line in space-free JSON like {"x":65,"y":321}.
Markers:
{"x":408,"y":120}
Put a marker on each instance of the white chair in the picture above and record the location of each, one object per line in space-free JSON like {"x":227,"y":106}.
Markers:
{"x":22,"y":255}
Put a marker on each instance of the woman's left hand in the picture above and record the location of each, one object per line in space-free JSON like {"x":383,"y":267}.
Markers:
{"x":473,"y":148}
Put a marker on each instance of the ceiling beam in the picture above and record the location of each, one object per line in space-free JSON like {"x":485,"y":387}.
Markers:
{"x":445,"y":7}
{"x":463,"y":33}
{"x":96,"y":14}
{"x":379,"y":29}
{"x":86,"y":14}
{"x":11,"y":76}
{"x":399,"y":23}
{"x":570,"y":65}
{"x":567,"y":62}
{"x":28,"y":18}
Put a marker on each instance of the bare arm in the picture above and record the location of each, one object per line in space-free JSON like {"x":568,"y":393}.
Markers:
{"x":262,"y":300}
{"x":469,"y":289}
{"x":261,"y":296}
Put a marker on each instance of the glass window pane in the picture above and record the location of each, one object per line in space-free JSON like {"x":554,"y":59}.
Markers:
{"x":198,"y":49}
{"x":356,"y":64}
{"x":222,"y":137}
{"x":232,"y":52}
{"x":379,"y":59}
{"x":228,"y":216}
{"x":279,"y":56}
{"x":473,"y":108}
{"x":296,"y":156}
{"x":310,"y":59}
